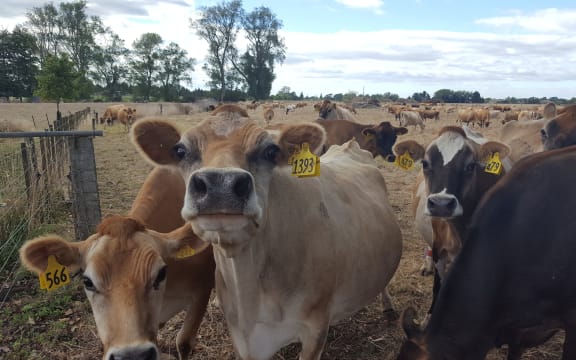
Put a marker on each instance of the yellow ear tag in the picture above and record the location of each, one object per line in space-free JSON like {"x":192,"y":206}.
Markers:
{"x":185,"y":252}
{"x":304,"y":163}
{"x":494,"y":165}
{"x":405,"y":161}
{"x":55,"y":275}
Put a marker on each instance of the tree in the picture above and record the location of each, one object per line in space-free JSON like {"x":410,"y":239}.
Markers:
{"x":265,"y":48}
{"x":110,"y":66}
{"x":144,"y":64}
{"x":18,"y":63}
{"x":57,"y":80}
{"x":44,"y":24}
{"x":219,"y":26}
{"x":173,"y":67}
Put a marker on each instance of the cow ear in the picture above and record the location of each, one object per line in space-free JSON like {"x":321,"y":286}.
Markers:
{"x":409,"y":324}
{"x":155,"y":138}
{"x":550,"y":111}
{"x":401,"y":130}
{"x":34,"y":253}
{"x":491,"y":147}
{"x":292,"y":137}
{"x":415,"y":150}
{"x":181,"y":240}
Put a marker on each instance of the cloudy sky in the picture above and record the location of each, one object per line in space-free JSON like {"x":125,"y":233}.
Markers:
{"x":499,"y":48}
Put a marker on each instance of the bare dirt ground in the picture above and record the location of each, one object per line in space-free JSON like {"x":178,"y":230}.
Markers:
{"x":121,"y":171}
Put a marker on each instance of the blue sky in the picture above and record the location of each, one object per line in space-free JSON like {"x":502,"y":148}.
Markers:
{"x":500,"y":48}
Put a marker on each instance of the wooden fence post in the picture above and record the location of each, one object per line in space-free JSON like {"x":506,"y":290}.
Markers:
{"x":27,"y":169}
{"x":85,"y":198}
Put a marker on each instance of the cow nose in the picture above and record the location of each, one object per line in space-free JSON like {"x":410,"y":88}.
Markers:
{"x":147,"y":352}
{"x":390,"y":158}
{"x":443,"y":205}
{"x":221,"y":190}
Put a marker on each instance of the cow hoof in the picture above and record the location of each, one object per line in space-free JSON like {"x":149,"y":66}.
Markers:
{"x":390,"y":315}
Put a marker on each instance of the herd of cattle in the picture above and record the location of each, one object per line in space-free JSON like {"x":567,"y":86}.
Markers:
{"x":290,"y":256}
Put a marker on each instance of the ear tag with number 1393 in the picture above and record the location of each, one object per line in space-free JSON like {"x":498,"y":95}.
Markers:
{"x":304,"y":162}
{"x":55,"y":275}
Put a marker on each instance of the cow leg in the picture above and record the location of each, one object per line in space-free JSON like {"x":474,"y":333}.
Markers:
{"x":387,"y":308}
{"x":427,"y":267}
{"x":313,"y":342}
{"x":186,"y":339}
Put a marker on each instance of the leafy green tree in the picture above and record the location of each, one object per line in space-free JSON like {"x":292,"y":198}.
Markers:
{"x":174,"y":67}
{"x":265,"y":48}
{"x":219,"y":25}
{"x":18,"y":63}
{"x":110,"y":64}
{"x":145,"y":62}
{"x":57,"y":80}
{"x":43,"y":22}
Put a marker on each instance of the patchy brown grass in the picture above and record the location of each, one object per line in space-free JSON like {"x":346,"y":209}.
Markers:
{"x":121,"y":171}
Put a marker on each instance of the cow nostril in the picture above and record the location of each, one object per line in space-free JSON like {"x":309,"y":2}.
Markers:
{"x":390,"y":158}
{"x":431,"y":204}
{"x":199,"y":185}
{"x":243,"y":186}
{"x":451,"y":204}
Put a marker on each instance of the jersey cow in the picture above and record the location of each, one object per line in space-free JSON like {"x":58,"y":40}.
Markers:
{"x":513,"y":280}
{"x":452,"y":183}
{"x":131,"y":275}
{"x":560,"y":130}
{"x":377,"y":139}
{"x":293,"y":255}
{"x":332,"y":111}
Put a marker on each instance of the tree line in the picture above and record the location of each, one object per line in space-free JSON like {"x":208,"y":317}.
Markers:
{"x":60,"y":52}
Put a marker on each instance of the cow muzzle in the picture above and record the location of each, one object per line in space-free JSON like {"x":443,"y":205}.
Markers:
{"x":147,"y":351}
{"x":443,"y":206}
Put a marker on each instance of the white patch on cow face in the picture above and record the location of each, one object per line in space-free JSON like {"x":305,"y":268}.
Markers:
{"x":449,"y":144}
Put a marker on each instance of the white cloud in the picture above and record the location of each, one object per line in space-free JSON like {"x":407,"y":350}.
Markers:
{"x":546,"y":20}
{"x":362,"y":4}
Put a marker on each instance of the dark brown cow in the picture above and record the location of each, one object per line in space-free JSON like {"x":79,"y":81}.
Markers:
{"x":513,"y":281}
{"x":131,"y":276}
{"x":560,"y":131}
{"x":377,"y":139}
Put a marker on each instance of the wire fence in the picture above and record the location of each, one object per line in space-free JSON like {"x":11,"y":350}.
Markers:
{"x":37,"y":193}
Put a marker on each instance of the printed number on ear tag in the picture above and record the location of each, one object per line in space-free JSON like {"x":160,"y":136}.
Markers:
{"x":494,"y":165}
{"x":55,"y":275}
{"x":185,"y":252}
{"x":304,"y":163}
{"x":405,"y":161}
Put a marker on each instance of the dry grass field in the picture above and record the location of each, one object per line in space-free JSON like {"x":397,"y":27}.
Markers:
{"x":121,"y":171}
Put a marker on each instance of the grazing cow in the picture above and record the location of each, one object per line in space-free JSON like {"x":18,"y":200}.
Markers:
{"x":286,"y":267}
{"x":452,"y":183}
{"x":430,"y":114}
{"x":513,"y":281}
{"x":560,"y":130}
{"x":110,"y":114}
{"x":268,"y":115}
{"x":290,"y":107}
{"x":127,"y":116}
{"x":524,"y":137}
{"x":482,"y":117}
{"x":396,"y":110}
{"x":131,"y":277}
{"x":377,"y":139}
{"x":466,"y":116}
{"x":526,"y":115}
{"x":412,"y":118}
{"x":332,"y":111}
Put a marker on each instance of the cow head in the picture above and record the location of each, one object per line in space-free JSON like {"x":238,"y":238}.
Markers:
{"x":130,"y":115}
{"x":327,"y":110}
{"x":560,"y":130}
{"x":227,"y":163}
{"x":453,"y":167}
{"x":123,"y":268}
{"x":380,"y":139}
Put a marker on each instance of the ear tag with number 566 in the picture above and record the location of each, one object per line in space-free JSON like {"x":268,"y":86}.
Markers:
{"x":405,"y":161}
{"x":55,"y":275}
{"x":494,"y":165}
{"x":304,"y":162}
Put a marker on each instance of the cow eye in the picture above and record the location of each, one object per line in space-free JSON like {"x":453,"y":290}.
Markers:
{"x":270,"y":152}
{"x":88,"y":284}
{"x":159,"y":278}
{"x":425,"y":165}
{"x":543,"y":134}
{"x":470,"y":167}
{"x":179,"y":151}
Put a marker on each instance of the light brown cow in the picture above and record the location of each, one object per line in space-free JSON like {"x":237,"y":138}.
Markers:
{"x":110,"y":114}
{"x":560,"y":130}
{"x":377,"y":139}
{"x":332,"y":111}
{"x":126,"y":116}
{"x":412,"y":118}
{"x":466,"y":116}
{"x":131,"y":276}
{"x":285,"y":266}
{"x":430,"y":114}
{"x":268,"y":115}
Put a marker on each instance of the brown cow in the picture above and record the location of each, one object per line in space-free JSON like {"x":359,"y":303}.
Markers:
{"x":127,"y":116}
{"x":130,"y":273}
{"x":268,"y":115}
{"x":560,"y":130}
{"x":110,"y":114}
{"x":332,"y":111}
{"x":430,"y":114}
{"x":282,"y":274}
{"x":377,"y":139}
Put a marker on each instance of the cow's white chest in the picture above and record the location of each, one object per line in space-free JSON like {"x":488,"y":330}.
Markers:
{"x":260,"y":338}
